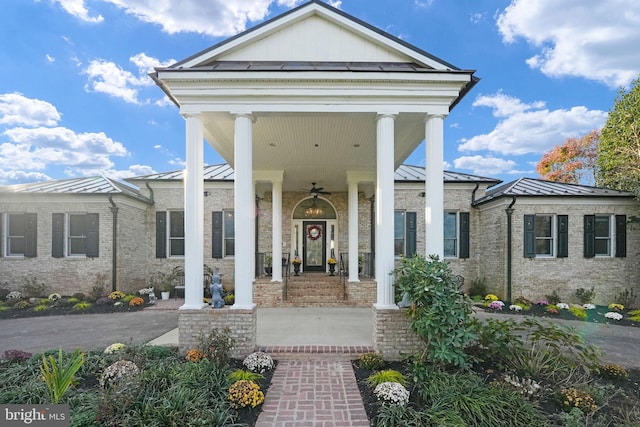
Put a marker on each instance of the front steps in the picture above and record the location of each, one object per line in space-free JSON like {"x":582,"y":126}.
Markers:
{"x":314,"y":290}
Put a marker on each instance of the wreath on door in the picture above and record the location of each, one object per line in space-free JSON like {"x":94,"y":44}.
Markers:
{"x":314,"y":232}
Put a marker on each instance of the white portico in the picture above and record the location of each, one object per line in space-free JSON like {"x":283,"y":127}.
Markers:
{"x":313,"y":95}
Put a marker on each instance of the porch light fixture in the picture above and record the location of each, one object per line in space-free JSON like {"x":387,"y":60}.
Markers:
{"x":313,"y":210}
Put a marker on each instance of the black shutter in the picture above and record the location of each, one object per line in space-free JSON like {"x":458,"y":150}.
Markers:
{"x":589,"y":236}
{"x":57,"y":235}
{"x":464,"y":235}
{"x":93,"y":235}
{"x":31,"y":235}
{"x":563,"y":236}
{"x":1,"y":229}
{"x":216,"y":234}
{"x":161,"y":234}
{"x":621,"y":236}
{"x":411,"y":234}
{"x":529,"y":236}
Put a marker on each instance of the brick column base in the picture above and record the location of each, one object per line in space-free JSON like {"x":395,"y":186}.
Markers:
{"x":392,"y":335}
{"x":242,"y":323}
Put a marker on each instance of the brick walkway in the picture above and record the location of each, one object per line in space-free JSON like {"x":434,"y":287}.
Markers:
{"x":317,"y":391}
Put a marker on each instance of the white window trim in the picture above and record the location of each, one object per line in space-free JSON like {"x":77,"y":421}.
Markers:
{"x":5,"y":235}
{"x":610,"y":238}
{"x":168,"y":234}
{"x":457,"y":239}
{"x":553,"y":238}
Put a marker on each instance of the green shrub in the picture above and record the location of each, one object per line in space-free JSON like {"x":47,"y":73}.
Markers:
{"x":440,"y":316}
{"x":243,"y":375}
{"x":156,"y":352}
{"x":634,"y":315}
{"x":73,"y":300}
{"x":82,"y":306}
{"x":217,"y":345}
{"x":586,"y":296}
{"x":386,"y":376}
{"x":59,"y":374}
{"x":32,"y":289}
{"x":370,"y":361}
{"x":627,"y":298}
{"x":579,"y":312}
{"x":40,"y":307}
{"x":79,"y":296}
{"x":21,"y":305}
{"x":478,"y":287}
{"x":406,"y":416}
{"x":553,"y":298}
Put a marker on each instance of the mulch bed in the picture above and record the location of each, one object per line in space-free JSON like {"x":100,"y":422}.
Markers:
{"x":59,"y":310}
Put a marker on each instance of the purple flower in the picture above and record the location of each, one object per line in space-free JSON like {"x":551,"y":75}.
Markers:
{"x":542,"y":302}
{"x":496,"y":305}
{"x":17,"y":355}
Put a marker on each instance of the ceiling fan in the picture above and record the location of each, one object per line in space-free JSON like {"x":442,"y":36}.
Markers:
{"x":315,"y":191}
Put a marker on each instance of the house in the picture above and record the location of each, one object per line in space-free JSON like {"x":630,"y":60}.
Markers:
{"x":314,"y":113}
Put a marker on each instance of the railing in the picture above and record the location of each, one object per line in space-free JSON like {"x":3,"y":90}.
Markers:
{"x":286,"y":267}
{"x":264,"y":269}
{"x":343,"y":275}
{"x":365,"y":264}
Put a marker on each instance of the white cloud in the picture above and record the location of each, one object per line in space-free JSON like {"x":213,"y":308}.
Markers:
{"x":107,"y":77}
{"x":594,"y":39}
{"x":77,"y":9}
{"x":476,"y":17}
{"x":8,"y":177}
{"x":133,"y":170}
{"x":50,"y":58}
{"x":530,"y":128}
{"x":335,"y":3}
{"x":17,"y":109}
{"x":480,"y":165}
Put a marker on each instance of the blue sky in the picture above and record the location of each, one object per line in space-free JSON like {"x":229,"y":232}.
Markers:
{"x":75,"y":98}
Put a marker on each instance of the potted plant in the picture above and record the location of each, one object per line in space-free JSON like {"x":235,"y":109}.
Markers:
{"x":296,"y":265}
{"x":332,"y":265}
{"x":360,"y":262}
{"x":268,"y":264}
{"x":167,"y":285}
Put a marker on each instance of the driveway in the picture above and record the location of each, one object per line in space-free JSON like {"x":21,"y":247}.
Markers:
{"x":85,"y":331}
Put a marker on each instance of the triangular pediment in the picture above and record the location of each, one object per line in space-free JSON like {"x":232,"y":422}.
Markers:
{"x":314,"y":32}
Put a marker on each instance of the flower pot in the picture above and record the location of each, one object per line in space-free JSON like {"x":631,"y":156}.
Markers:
{"x":332,"y":269}
{"x":296,"y":268}
{"x":165,"y":295}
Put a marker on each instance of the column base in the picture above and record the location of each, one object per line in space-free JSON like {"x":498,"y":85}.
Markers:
{"x":392,"y":334}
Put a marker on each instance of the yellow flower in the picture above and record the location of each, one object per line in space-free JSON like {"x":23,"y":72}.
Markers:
{"x":332,"y":261}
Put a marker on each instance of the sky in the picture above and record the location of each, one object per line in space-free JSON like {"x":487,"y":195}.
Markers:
{"x":76,"y":100}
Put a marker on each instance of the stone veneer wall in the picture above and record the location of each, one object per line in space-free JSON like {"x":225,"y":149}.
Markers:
{"x":267,"y":293}
{"x":363,"y":293}
{"x":392,"y":335}
{"x":242,"y":324}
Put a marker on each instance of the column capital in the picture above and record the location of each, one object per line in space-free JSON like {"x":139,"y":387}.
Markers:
{"x":248,"y":114}
{"x":428,"y":117}
{"x":387,"y":114}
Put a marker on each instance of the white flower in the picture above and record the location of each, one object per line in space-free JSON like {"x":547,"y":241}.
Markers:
{"x":393,"y":393}
{"x":54,"y":297}
{"x":563,"y":306}
{"x":119,"y":371}
{"x":515,"y":307}
{"x":589,"y":306}
{"x":525,"y":386}
{"x":146,"y":291}
{"x":115,"y":347}
{"x":258,"y":362}
{"x":613,"y":315}
{"x":14,"y":295}
{"x":500,"y":303}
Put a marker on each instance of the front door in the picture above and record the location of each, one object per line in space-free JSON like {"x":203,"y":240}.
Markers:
{"x":314,"y":246}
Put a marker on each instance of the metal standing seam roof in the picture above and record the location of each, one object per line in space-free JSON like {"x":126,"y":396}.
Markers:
{"x":404,"y":67}
{"x":529,"y":187}
{"x":88,"y":185}
{"x":411,"y":173}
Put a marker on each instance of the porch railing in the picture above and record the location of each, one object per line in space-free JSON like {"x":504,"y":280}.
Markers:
{"x":261,"y":270}
{"x":365,"y":264}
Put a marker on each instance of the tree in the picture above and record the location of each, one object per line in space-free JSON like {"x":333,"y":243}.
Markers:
{"x":574,"y":162}
{"x":619,"y":150}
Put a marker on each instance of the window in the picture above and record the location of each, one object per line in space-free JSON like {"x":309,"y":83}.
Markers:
{"x":229,"y":233}
{"x":404,"y":234}
{"x":456,"y":234}
{"x":176,"y":233}
{"x":450,"y":234}
{"x":20,"y":234}
{"x":398,"y":233}
{"x":223,"y":234}
{"x":75,"y":234}
{"x":605,"y":236}
{"x":546,"y":236}
{"x":602,"y":236}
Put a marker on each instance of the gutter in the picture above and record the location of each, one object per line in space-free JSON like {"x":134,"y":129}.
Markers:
{"x":509,"y":212}
{"x":114,"y":244}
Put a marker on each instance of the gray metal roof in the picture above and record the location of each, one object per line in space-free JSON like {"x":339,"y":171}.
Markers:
{"x":529,"y":187}
{"x":88,"y":185}
{"x":407,"y":173}
{"x":404,"y":67}
{"x":417,"y":173}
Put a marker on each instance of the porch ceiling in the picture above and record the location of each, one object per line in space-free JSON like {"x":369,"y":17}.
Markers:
{"x":318,"y":147}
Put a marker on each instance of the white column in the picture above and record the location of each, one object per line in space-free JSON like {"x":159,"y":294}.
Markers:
{"x":353,"y":231}
{"x":384,"y":211}
{"x":434,"y":186}
{"x":193,"y":216}
{"x":244,"y":212}
{"x":276,"y":231}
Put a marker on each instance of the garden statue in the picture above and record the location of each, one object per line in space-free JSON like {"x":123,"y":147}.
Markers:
{"x":216,"y":291}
